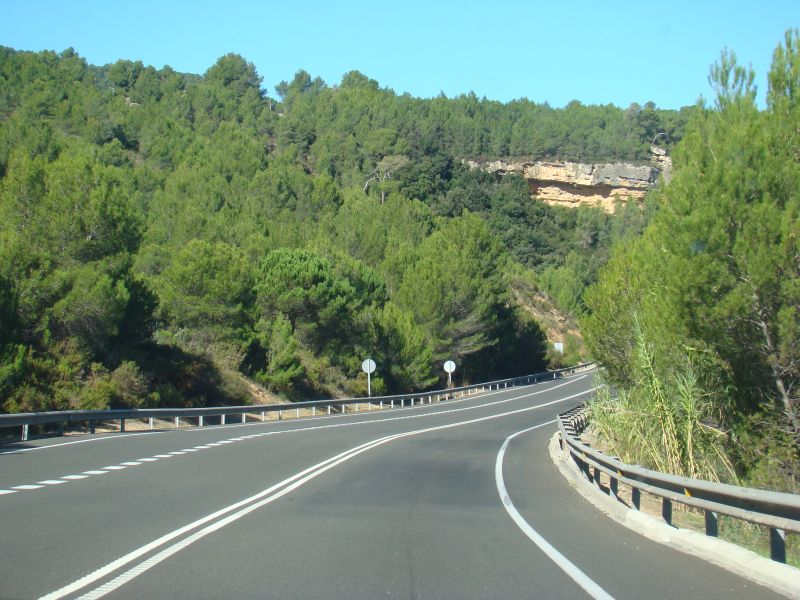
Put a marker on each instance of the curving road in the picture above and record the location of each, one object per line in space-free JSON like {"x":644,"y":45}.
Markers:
{"x":434,"y":501}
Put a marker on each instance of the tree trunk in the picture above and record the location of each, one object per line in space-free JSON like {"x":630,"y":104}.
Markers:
{"x":786,"y":400}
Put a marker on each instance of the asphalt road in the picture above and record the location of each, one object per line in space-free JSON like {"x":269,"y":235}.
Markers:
{"x":405,"y":503}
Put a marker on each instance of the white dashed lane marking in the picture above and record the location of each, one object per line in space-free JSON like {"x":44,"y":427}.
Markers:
{"x":95,"y":472}
{"x":72,"y":477}
{"x":27,"y":487}
{"x":52,"y":481}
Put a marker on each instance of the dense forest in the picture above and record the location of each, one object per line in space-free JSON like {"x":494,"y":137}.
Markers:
{"x":169,"y":239}
{"x":697,"y":321}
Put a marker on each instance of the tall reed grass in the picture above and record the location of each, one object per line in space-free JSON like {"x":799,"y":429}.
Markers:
{"x":665,"y":421}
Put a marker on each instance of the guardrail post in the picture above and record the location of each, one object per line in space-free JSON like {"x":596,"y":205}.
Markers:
{"x":613,"y":486}
{"x":92,"y":426}
{"x":381,"y":404}
{"x":177,"y":422}
{"x":712,"y":523}
{"x":222,"y":419}
{"x":585,"y":469}
{"x":263,"y":416}
{"x":296,"y":413}
{"x":597,"y":473}
{"x":200,"y":421}
{"x":150,"y":422}
{"x":244,"y":417}
{"x":122,"y":425}
{"x":636,"y":498}
{"x":25,"y":433}
{"x":666,"y":510}
{"x":313,"y":411}
{"x":280,"y":415}
{"x":329,"y":409}
{"x":777,"y":544}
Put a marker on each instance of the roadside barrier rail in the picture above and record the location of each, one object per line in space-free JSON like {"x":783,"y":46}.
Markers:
{"x":780,"y":512}
{"x":200,"y":416}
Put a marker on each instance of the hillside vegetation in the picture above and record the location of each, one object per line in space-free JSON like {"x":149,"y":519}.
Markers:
{"x":697,"y":320}
{"x":165,"y":237}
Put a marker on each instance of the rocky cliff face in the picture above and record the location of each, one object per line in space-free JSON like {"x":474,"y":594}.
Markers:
{"x":572,"y":184}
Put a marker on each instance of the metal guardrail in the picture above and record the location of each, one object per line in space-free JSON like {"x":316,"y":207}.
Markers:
{"x":92,"y":417}
{"x":778,"y":511}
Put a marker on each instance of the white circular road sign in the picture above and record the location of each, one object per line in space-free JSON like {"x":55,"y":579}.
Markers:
{"x":449,"y":366}
{"x":368,"y":366}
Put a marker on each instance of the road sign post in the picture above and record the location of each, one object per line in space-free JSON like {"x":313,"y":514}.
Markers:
{"x":368,"y":366}
{"x":449,"y":367}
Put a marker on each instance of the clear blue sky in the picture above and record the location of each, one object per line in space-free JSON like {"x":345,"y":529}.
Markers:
{"x":556,"y":51}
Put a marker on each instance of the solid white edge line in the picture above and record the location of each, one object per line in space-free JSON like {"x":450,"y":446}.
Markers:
{"x":404,"y":417}
{"x":578,"y":576}
{"x":563,"y":382}
{"x":249,"y":504}
{"x":120,"y":436}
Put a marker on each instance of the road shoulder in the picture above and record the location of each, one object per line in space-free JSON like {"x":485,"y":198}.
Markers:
{"x":780,"y":578}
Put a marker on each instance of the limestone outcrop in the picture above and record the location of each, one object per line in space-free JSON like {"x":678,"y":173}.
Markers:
{"x":572,"y":184}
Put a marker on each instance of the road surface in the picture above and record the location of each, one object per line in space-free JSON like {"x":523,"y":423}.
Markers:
{"x":436,"y":501}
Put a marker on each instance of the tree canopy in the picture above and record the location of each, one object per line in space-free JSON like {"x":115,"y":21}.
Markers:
{"x":713,"y":285}
{"x":166,"y":236}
